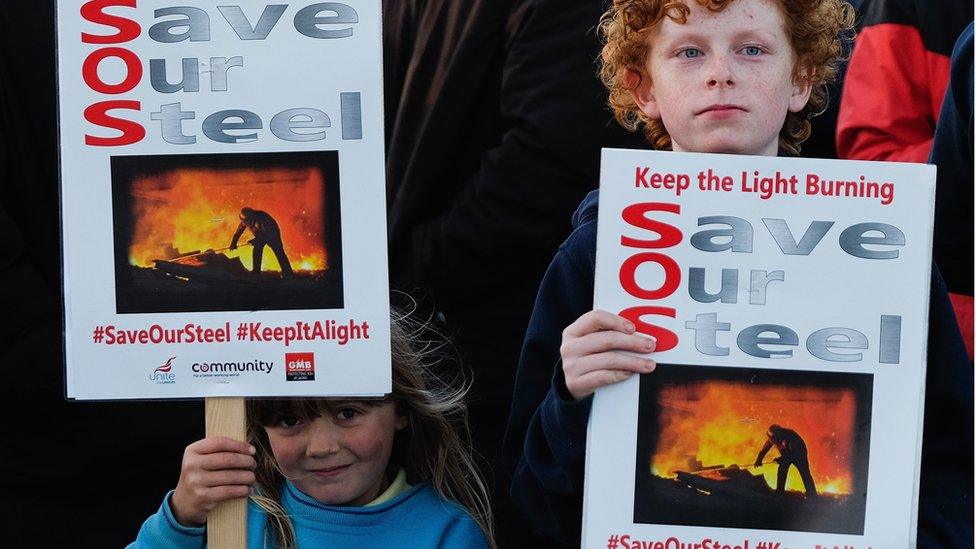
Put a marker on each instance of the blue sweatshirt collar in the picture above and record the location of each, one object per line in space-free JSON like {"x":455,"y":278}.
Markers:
{"x":587,"y":209}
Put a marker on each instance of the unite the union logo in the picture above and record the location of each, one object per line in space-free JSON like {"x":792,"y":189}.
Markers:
{"x":164,"y":374}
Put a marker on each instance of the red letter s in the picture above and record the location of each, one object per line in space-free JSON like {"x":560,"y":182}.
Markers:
{"x":127,"y":28}
{"x":634,"y":215}
{"x":97,"y":113}
{"x":666,"y":339}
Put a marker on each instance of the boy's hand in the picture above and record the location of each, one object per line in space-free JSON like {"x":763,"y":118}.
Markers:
{"x":214,"y":469}
{"x":589,"y":352}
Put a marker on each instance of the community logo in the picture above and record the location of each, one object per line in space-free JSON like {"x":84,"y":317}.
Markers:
{"x":231,"y":369}
{"x":164,"y":374}
{"x":300,"y":366}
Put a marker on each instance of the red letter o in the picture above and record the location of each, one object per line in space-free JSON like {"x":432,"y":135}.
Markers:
{"x":133,"y":70}
{"x":672,"y":275}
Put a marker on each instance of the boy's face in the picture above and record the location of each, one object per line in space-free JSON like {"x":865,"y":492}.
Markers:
{"x":723,"y":81}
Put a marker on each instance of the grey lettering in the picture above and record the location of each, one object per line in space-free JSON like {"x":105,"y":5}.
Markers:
{"x":890,"y":340}
{"x":307,"y":20}
{"x":820,"y":343}
{"x":218,"y":71}
{"x":696,"y":286}
{"x":189,"y":83}
{"x":759,"y":281}
{"x":217,"y":125}
{"x":739,"y":234}
{"x":284,"y":123}
{"x":853,"y":239}
{"x":196,"y":21}
{"x":350,"y":109}
{"x":242,"y":26}
{"x":705,"y":326}
{"x":171,"y":118}
{"x":751,"y":338}
{"x":784,"y":237}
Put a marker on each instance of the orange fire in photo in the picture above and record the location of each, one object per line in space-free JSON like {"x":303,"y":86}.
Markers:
{"x":195,"y":209}
{"x":723,"y":423}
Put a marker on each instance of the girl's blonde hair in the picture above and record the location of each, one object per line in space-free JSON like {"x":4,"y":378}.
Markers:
{"x":434,"y":448}
{"x":817,"y":29}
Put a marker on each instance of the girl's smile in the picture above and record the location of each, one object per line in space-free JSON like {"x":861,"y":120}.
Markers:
{"x":331,"y":471}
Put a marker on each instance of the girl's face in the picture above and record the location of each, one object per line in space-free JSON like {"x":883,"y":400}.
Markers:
{"x":338,"y":458}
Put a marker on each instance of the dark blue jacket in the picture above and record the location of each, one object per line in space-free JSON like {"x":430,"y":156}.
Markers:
{"x":952,"y":152}
{"x":946,"y":497}
{"x":546,"y":437}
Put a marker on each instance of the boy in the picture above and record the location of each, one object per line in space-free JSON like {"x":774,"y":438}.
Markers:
{"x":724,"y":76}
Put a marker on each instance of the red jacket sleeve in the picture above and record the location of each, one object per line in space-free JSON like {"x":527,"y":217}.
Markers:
{"x":892,"y":94}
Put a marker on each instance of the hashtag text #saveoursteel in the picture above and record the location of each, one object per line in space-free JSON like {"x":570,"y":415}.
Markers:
{"x":328,"y":330}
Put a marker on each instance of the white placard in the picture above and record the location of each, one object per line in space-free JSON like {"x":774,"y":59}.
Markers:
{"x":786,"y":292}
{"x":181,"y":123}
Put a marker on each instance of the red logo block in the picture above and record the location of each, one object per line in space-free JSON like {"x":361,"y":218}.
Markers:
{"x":300,"y":366}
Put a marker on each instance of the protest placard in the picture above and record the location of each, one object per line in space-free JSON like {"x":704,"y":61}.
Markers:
{"x":789,"y":300}
{"x":223,"y":199}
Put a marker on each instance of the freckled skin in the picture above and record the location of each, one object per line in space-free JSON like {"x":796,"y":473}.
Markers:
{"x":723,"y":81}
{"x":339,"y":458}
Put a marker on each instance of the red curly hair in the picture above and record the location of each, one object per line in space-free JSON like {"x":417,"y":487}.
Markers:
{"x":817,"y":29}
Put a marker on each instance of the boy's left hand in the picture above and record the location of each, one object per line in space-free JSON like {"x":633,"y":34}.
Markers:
{"x":590,"y":352}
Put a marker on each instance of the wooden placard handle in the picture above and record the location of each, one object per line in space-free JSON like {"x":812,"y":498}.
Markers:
{"x":227,"y":523}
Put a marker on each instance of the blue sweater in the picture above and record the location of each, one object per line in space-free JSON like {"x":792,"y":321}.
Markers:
{"x":546,"y":437}
{"x":417,"y":518}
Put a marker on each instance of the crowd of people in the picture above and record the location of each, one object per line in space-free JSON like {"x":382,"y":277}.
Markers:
{"x":495,"y":116}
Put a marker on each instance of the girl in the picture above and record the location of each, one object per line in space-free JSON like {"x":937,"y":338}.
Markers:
{"x":323,"y":473}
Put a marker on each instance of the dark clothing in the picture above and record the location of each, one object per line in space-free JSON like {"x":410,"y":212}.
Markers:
{"x":952,"y":152}
{"x":266,"y":233}
{"x":279,"y":250}
{"x":787,"y":441}
{"x":99,"y":467}
{"x":546,"y":436}
{"x":946,"y":500}
{"x":802,"y":466}
{"x":495,"y":119}
{"x":792,"y":451}
{"x":547,"y":429}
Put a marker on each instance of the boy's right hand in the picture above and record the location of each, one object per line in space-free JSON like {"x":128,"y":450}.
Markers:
{"x":214,"y":469}
{"x":589,"y":352}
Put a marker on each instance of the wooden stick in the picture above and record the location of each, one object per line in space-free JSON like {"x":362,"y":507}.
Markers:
{"x":227,"y":523}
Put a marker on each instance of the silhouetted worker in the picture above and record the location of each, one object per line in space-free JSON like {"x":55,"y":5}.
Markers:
{"x":792,"y":451}
{"x":266,"y":232}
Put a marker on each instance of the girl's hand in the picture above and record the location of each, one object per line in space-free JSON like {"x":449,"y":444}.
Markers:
{"x":214,"y":469}
{"x":589,"y":352}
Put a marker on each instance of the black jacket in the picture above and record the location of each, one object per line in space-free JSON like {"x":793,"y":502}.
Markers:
{"x":495,"y":118}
